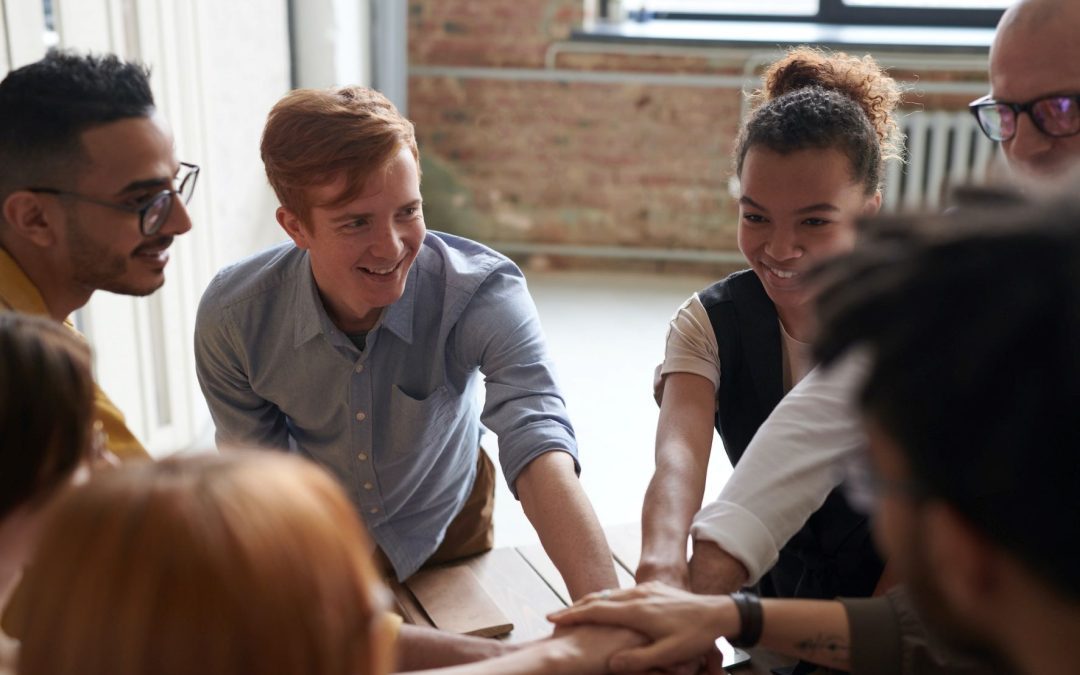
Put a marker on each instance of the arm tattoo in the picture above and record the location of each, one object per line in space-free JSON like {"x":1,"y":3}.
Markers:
{"x":824,"y":645}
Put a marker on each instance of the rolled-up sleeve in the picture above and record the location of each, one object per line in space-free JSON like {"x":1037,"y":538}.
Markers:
{"x":888,"y":637}
{"x":801,"y":452}
{"x":500,"y":329}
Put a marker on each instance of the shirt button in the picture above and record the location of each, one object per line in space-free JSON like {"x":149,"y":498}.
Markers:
{"x":362,"y":457}
{"x":359,"y":367}
{"x":368,"y":486}
{"x":373,"y":509}
{"x":360,"y":417}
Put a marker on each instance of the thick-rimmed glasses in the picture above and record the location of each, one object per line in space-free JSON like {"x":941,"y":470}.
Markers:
{"x":1056,"y":116}
{"x":154,"y":211}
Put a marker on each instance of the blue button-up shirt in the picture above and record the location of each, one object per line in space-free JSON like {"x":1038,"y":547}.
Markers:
{"x":399,"y":423}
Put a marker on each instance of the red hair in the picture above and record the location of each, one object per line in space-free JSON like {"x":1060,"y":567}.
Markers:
{"x":314,"y":136}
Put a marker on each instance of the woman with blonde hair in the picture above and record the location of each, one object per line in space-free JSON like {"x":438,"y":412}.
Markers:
{"x":247,"y":563}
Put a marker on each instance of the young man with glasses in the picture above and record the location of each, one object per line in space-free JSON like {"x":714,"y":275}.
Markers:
{"x":91,"y":193}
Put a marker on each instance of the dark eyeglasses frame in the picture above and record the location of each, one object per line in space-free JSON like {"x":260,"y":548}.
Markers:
{"x":185,"y":190}
{"x":1018,"y":108}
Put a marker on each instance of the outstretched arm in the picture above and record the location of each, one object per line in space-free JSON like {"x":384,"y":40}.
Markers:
{"x":500,"y":333}
{"x":557,"y":507}
{"x":581,"y":651}
{"x":419,"y":648}
{"x":683,"y":445}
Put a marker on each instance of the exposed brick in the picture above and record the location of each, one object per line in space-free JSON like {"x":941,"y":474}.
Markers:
{"x":620,"y":163}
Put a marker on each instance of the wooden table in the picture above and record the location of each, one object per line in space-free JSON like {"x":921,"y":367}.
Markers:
{"x":526,"y":586}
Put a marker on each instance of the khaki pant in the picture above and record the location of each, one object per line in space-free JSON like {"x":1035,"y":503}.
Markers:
{"x":471,"y":531}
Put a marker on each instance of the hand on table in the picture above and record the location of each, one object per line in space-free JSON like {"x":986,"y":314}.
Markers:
{"x":684,"y":626}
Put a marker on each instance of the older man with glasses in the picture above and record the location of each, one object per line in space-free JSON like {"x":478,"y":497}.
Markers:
{"x":91,"y":193}
{"x":811,"y":442}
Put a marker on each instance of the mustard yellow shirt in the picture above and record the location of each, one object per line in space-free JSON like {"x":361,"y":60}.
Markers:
{"x":18,"y":293}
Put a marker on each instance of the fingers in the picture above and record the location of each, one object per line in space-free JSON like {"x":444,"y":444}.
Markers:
{"x":655,"y":655}
{"x":601,"y":611}
{"x":616,"y":594}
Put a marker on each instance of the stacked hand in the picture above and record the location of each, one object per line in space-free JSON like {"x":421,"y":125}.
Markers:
{"x":682,"y":625}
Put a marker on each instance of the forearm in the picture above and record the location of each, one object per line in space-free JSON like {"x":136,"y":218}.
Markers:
{"x":671,"y":500}
{"x":715,"y":571}
{"x":683,"y":444}
{"x":419,"y":648}
{"x":580,"y":651}
{"x":532,"y":659}
{"x":812,"y":630}
{"x":557,"y":507}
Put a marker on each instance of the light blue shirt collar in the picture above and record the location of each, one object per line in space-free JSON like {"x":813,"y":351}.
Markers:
{"x":312,"y":318}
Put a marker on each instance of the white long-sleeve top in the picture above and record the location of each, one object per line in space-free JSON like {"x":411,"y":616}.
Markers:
{"x":809,"y":444}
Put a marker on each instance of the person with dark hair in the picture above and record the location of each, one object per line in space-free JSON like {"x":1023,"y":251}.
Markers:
{"x":91,"y":194}
{"x":809,"y":160}
{"x":47,"y":435}
{"x":968,"y":326}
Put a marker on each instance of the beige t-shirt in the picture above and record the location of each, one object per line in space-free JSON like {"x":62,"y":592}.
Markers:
{"x":691,"y":348}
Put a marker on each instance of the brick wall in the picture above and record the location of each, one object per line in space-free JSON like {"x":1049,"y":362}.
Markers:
{"x":511,"y":153}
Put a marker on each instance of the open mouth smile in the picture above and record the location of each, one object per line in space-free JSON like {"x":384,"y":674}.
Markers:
{"x":383,"y":271}
{"x":781,"y":273}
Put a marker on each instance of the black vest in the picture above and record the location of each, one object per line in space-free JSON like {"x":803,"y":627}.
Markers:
{"x":833,"y":553}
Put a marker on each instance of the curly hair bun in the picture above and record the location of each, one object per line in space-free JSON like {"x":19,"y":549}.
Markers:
{"x":861,"y":80}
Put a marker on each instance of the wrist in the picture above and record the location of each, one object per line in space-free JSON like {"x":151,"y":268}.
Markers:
{"x":751,"y":619}
{"x":724,"y":616}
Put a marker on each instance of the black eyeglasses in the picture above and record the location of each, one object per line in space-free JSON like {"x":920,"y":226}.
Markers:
{"x":1055,"y":116}
{"x":154,"y":212}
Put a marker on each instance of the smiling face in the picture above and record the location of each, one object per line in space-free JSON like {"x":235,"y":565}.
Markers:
{"x":361,"y":251}
{"x":104,"y":247}
{"x":796,"y":210}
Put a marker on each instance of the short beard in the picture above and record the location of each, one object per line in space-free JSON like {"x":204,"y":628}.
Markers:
{"x":95,"y":267}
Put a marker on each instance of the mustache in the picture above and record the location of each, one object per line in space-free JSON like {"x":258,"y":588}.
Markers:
{"x":159,"y":244}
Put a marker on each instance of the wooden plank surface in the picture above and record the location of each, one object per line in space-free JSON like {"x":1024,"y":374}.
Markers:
{"x":518,"y":591}
{"x":454,"y":600}
{"x":542,"y":565}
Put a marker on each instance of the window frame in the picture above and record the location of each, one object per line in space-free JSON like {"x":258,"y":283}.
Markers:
{"x":836,"y":12}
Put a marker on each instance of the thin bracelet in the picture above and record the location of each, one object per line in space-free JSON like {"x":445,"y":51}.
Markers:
{"x":751,"y":619}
